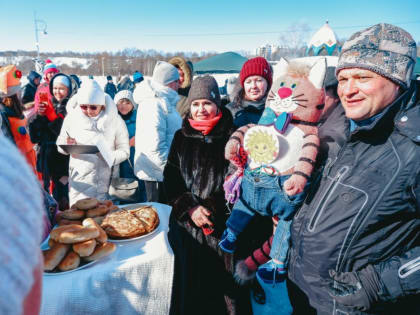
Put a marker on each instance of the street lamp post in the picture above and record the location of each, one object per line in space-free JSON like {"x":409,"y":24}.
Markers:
{"x":40,"y":25}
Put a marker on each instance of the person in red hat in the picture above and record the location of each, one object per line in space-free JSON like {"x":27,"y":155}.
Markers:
{"x":255,"y":81}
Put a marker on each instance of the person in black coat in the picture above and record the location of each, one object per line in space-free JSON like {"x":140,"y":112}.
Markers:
{"x":29,"y":90}
{"x":44,"y":128}
{"x":193,"y":185}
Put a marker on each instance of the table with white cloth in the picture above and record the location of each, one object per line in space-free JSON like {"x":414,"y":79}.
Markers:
{"x":135,"y":279}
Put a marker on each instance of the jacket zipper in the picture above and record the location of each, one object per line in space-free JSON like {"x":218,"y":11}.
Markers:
{"x":321,"y":206}
{"x":407,"y":269}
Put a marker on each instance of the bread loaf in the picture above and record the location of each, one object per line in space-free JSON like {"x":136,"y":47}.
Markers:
{"x":75,"y":234}
{"x":101,"y":250}
{"x":51,"y":242}
{"x":57,"y":231}
{"x":73,"y":214}
{"x":54,"y":255}
{"x":103,"y":237}
{"x":68,"y":222}
{"x":98,"y":211}
{"x":70,"y":262}
{"x":85,"y":248}
{"x":86,"y":204}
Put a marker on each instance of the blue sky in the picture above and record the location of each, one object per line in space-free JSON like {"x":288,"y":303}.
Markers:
{"x":188,"y":25}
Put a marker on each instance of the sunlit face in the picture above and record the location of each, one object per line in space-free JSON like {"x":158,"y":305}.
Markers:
{"x":255,"y":88}
{"x":91,"y":110}
{"x":203,"y":109}
{"x":49,"y":75}
{"x":181,"y":76}
{"x":124,"y":106}
{"x":60,"y":91}
{"x":364,"y":93}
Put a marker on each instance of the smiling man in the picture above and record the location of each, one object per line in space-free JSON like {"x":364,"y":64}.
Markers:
{"x":356,"y":240}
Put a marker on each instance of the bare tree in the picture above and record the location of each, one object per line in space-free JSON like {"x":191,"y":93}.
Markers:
{"x":292,"y":41}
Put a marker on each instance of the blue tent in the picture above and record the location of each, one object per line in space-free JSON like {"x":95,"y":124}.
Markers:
{"x":416,"y":71}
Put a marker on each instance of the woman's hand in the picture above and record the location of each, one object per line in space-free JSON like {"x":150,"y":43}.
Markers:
{"x":71,"y":140}
{"x":199,"y":215}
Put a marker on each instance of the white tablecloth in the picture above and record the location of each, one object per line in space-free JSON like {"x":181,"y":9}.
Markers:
{"x":135,"y":279}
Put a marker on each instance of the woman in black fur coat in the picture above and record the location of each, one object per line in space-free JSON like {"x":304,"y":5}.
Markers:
{"x":193,"y":185}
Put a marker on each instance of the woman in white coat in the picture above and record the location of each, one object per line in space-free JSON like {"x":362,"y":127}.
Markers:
{"x":95,"y":118}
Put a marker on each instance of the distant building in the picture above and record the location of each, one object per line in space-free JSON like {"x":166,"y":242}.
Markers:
{"x":324,"y":43}
{"x":267,"y":51}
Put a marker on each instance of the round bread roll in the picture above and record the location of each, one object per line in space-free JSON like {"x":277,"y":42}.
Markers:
{"x":98,"y":211}
{"x":86,"y":204}
{"x":57,"y":231}
{"x":70,"y":262}
{"x":103,"y":237}
{"x":76,"y":235}
{"x":54,"y":255}
{"x":85,"y":248}
{"x":107,"y":203}
{"x":72,"y":214}
{"x":101,"y":250}
{"x":68,"y":222}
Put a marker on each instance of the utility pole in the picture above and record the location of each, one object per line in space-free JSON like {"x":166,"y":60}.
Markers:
{"x":44,"y":31}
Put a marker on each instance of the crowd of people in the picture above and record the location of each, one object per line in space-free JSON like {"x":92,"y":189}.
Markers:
{"x":337,"y":231}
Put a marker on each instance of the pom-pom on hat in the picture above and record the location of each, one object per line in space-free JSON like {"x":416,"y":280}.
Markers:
{"x":9,"y":80}
{"x":50,"y":67}
{"x":165,"y":73}
{"x":383,"y":48}
{"x":204,"y":88}
{"x":90,"y":93}
{"x":256,"y":66}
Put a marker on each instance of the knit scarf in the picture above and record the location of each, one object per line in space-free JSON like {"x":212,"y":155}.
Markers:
{"x":205,"y":126}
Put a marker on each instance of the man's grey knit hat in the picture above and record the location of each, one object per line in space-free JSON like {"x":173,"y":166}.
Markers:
{"x":204,"y":87}
{"x":383,"y":48}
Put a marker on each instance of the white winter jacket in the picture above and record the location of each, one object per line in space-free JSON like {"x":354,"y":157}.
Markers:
{"x":89,"y":175}
{"x":157,"y":121}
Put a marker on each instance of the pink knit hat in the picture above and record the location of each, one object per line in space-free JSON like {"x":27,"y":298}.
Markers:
{"x":256,"y":66}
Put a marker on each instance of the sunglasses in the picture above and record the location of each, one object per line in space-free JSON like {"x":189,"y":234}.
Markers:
{"x":91,"y":107}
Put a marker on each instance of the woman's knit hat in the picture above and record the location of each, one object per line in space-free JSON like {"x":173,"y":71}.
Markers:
{"x":124,"y":94}
{"x":383,"y":48}
{"x":50,"y":67}
{"x":90,"y":93}
{"x":256,"y":66}
{"x":204,"y":88}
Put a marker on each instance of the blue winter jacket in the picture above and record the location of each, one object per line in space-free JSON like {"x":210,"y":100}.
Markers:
{"x":126,"y":171}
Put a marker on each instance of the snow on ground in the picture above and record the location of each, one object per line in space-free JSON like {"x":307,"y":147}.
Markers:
{"x":84,"y":63}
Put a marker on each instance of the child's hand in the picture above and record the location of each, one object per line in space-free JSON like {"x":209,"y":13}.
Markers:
{"x":132,"y":141}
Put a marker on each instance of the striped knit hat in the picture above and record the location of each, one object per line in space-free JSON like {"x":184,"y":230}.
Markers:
{"x":50,"y":67}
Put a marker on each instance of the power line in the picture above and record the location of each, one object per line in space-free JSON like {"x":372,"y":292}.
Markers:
{"x":263,"y":32}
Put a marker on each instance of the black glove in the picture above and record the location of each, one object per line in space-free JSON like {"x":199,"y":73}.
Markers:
{"x":357,"y":289}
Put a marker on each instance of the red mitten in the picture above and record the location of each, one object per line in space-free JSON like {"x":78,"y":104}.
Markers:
{"x":50,"y":113}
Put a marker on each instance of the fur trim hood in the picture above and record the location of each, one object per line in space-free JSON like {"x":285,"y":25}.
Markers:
{"x":183,"y":65}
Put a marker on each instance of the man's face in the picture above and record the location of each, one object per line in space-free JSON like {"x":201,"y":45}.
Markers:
{"x":364,"y":93}
{"x":37,"y":81}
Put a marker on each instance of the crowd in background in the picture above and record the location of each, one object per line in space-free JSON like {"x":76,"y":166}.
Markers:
{"x":354,"y":235}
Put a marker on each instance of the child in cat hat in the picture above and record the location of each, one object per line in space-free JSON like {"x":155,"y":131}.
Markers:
{"x":275,"y":159}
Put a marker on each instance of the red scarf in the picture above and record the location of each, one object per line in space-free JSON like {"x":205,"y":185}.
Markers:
{"x":205,"y":126}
